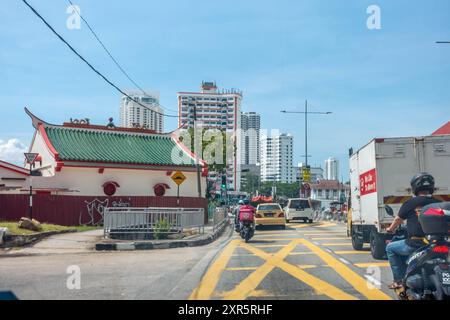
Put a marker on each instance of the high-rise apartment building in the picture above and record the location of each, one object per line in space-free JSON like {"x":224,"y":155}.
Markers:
{"x":250,"y":131}
{"x":277,"y":157}
{"x":133,"y":115}
{"x":332,"y":169}
{"x":216,"y":109}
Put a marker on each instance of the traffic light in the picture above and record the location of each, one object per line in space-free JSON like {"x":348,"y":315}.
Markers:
{"x":224,"y":181}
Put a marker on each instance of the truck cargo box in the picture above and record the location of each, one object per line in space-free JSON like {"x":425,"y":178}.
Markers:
{"x":380,"y":173}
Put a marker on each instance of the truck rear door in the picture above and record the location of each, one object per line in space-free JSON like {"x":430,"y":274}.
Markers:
{"x":397,"y":161}
{"x":436,"y":161}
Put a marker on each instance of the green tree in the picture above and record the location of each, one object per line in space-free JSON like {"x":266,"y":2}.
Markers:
{"x":288,"y":190}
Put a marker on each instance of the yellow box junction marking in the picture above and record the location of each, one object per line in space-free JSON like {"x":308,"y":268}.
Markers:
{"x":336,"y":244}
{"x":270,"y":246}
{"x":244,"y":289}
{"x":247,"y":287}
{"x":359,"y":283}
{"x":212,"y":276}
{"x":372,"y":264}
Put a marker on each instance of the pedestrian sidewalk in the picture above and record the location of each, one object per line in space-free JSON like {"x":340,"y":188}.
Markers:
{"x":74,"y":242}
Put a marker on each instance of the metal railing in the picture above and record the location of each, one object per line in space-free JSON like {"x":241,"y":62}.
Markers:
{"x":125,"y":220}
{"x":220,"y":216}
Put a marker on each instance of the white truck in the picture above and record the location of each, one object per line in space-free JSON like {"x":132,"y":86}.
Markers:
{"x":380,"y":174}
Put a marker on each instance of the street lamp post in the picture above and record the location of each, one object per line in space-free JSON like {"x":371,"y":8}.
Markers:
{"x":306,"y":112}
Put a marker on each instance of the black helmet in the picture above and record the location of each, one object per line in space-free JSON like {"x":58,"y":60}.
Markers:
{"x":422,"y":182}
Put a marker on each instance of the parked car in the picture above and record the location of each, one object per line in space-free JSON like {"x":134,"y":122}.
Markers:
{"x":270,"y":214}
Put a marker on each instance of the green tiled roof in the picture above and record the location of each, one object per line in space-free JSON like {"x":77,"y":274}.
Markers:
{"x":116,"y":147}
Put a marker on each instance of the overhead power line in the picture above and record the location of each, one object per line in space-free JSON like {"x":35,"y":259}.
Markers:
{"x":111,"y":56}
{"x":89,"y":64}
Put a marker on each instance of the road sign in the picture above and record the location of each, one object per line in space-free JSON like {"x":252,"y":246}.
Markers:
{"x":306,"y":174}
{"x":31,"y":157}
{"x":178,"y":177}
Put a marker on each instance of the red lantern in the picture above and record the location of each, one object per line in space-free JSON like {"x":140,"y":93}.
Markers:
{"x":110,"y":188}
{"x":160,"y":189}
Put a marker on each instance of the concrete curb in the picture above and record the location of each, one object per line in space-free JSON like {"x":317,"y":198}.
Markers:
{"x":28,"y":239}
{"x":153,"y":245}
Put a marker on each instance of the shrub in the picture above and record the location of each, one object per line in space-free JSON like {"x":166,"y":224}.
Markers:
{"x":161,"y":228}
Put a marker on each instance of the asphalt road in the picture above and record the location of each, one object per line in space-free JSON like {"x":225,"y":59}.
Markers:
{"x":302,"y":262}
{"x":305,"y":261}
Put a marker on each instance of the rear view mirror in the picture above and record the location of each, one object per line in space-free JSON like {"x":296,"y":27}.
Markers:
{"x":389,"y":210}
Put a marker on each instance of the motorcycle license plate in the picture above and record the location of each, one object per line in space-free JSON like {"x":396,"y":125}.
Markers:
{"x":445,"y":278}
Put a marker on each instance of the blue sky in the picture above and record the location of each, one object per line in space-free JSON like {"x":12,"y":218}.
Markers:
{"x":389,"y":82}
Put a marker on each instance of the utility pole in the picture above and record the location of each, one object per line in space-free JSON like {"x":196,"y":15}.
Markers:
{"x":306,"y":133}
{"x":197,"y":148}
{"x":306,"y":112}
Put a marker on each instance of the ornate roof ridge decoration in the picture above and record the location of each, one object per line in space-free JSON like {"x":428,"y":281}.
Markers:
{"x":86,"y":125}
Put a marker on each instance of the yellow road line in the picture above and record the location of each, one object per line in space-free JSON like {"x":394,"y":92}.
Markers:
{"x":245,"y":287}
{"x":359,"y":283}
{"x":302,"y":225}
{"x":278,"y":234}
{"x":276,"y":239}
{"x":269,"y":245}
{"x":326,"y":225}
{"x":372,"y":264}
{"x":252,"y":281}
{"x":212,"y":276}
{"x":351,"y":252}
{"x":323,"y":232}
{"x":240,"y":268}
{"x":334,"y":234}
{"x":254,"y":293}
{"x":336,"y":244}
{"x":340,"y":238}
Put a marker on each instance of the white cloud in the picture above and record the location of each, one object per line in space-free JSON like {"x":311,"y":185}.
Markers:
{"x":12,"y":151}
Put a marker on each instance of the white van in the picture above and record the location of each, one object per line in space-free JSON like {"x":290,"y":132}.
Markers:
{"x":301,"y":209}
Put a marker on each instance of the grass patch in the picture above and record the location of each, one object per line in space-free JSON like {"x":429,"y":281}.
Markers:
{"x":13,"y":227}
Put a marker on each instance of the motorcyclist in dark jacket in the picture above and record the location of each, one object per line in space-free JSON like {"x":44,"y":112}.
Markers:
{"x":422,"y":187}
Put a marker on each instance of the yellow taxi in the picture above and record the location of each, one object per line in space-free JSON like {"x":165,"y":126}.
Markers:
{"x":270,"y":214}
